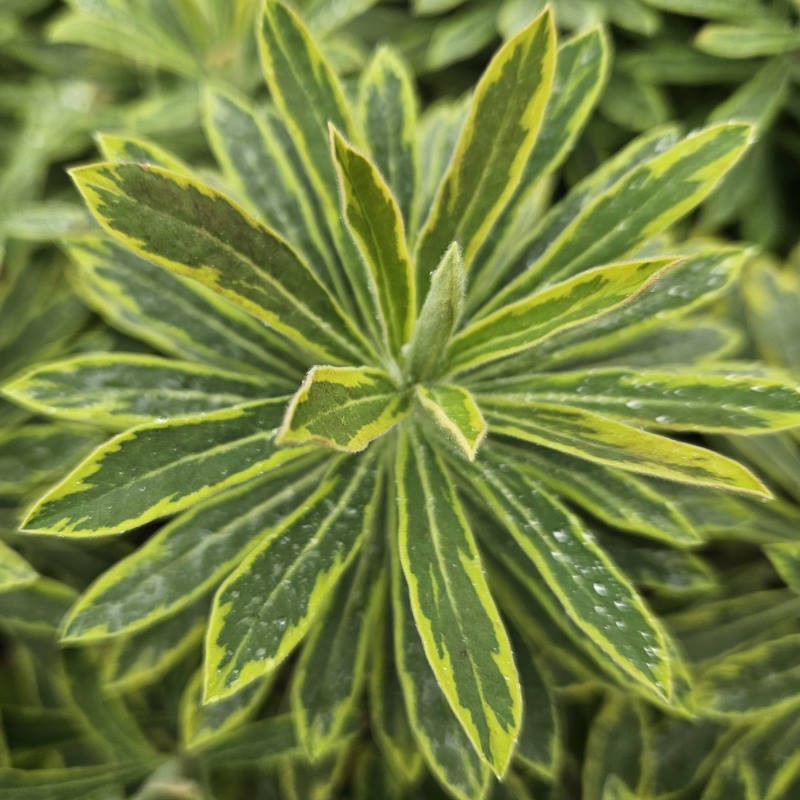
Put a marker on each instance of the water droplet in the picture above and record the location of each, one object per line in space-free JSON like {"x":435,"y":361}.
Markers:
{"x":600,"y":589}
{"x":560,"y":536}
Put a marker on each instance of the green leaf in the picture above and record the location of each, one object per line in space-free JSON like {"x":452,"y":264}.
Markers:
{"x":764,"y":677}
{"x":15,"y":571}
{"x":641,"y":203}
{"x":522,"y":324}
{"x":267,"y":605}
{"x":581,"y":70}
{"x":177,"y":565}
{"x":681,"y":399}
{"x":259,"y":159}
{"x":36,"y":608}
{"x":120,"y":390}
{"x":712,"y":9}
{"x":592,"y":591}
{"x":68,"y":783}
{"x":343,"y":407}
{"x":751,"y":41}
{"x":33,"y":454}
{"x":504,"y":119}
{"x":331,"y":671}
{"x":143,"y":658}
{"x":193,"y":230}
{"x":206,"y":724}
{"x":309,"y":97}
{"x":326,"y":16}
{"x":460,"y":628}
{"x":623,"y":500}
{"x":448,"y":751}
{"x":156,"y":470}
{"x":456,"y":414}
{"x":138,"y":151}
{"x":263,"y":743}
{"x":786,"y":560}
{"x":438,"y":317}
{"x":605,"y":441}
{"x":618,"y":746}
{"x":376,"y":224}
{"x":388,"y":111}
{"x":179,"y":316}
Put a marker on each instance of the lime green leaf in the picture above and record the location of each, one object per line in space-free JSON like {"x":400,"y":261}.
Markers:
{"x":15,"y":571}
{"x":461,"y":632}
{"x":623,"y":500}
{"x":376,"y":223}
{"x":267,"y":605}
{"x":786,"y":560}
{"x":343,"y":407}
{"x":139,"y":151}
{"x":120,"y":390}
{"x":581,"y":70}
{"x":751,"y":41}
{"x":605,"y":441}
{"x":141,"y":659}
{"x":155,"y":470}
{"x":763,"y":677}
{"x":712,"y":9}
{"x":526,"y":322}
{"x":196,"y":232}
{"x":595,"y":595}
{"x":205,"y":724}
{"x":179,"y":316}
{"x":439,"y":316}
{"x":494,"y":145}
{"x":389,"y":721}
{"x":332,"y":668}
{"x":177,"y":565}
{"x":618,"y":746}
{"x":263,"y":743}
{"x":315,"y":781}
{"x":388,"y":111}
{"x":33,"y":454}
{"x":448,"y":751}
{"x":681,"y":399}
{"x":259,"y":159}
{"x":456,"y":414}
{"x":640,"y":204}
{"x":326,"y":16}
{"x":538,"y":745}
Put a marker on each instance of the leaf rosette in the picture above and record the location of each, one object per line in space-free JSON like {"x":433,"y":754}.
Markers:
{"x":392,"y":384}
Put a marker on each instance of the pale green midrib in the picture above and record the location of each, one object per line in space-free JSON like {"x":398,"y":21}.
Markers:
{"x":461,"y":628}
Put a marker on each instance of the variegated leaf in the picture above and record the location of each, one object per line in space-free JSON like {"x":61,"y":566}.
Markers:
{"x":456,"y":414}
{"x":343,"y":407}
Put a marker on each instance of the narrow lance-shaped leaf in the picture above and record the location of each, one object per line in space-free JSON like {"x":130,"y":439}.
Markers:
{"x":15,"y":571}
{"x":155,"y":470}
{"x":602,"y":439}
{"x":523,"y":324}
{"x":177,"y":315}
{"x":188,"y":227}
{"x":581,"y":71}
{"x":267,"y":605}
{"x":138,"y":151}
{"x":595,"y":595}
{"x":680,"y":399}
{"x":439,"y":316}
{"x":259,"y":159}
{"x":121,"y":390}
{"x":343,"y":407}
{"x":331,"y":671}
{"x":309,"y":96}
{"x":494,"y":145}
{"x":376,"y":224}
{"x":458,"y":623}
{"x":639,"y":205}
{"x":388,"y":111}
{"x":445,"y":746}
{"x":456,"y":414}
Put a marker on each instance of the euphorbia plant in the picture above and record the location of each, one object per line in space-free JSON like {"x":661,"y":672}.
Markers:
{"x":384,"y":390}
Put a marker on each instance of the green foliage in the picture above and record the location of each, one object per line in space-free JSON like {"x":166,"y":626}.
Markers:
{"x":406,"y":443}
